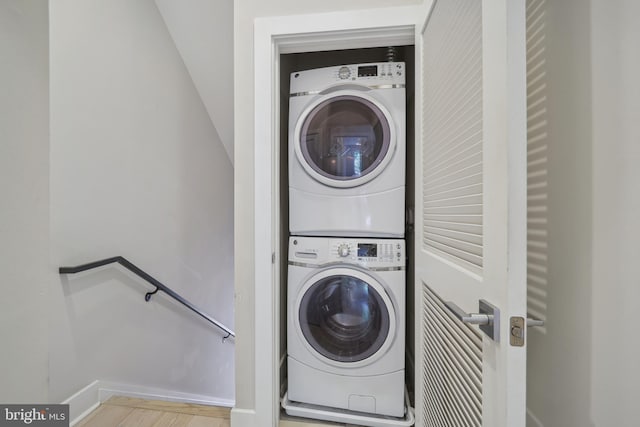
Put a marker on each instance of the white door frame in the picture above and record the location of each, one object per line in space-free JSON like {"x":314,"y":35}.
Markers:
{"x":272,"y":37}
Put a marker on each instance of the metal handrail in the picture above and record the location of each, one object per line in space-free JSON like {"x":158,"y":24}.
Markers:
{"x":159,"y":287}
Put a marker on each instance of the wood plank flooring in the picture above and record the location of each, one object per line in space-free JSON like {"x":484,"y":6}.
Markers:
{"x":121,"y":411}
{"x":130,"y":412}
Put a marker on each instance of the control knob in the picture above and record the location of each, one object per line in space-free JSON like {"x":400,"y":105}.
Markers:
{"x":344,"y":73}
{"x":343,"y":250}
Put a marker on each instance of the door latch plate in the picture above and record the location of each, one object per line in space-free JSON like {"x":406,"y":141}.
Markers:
{"x":516,"y":331}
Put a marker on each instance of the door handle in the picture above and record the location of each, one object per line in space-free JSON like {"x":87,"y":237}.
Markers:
{"x":473,"y":318}
{"x":488,"y":317}
{"x":534,"y":322}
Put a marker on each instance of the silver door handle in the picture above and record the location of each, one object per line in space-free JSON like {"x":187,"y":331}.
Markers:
{"x":473,"y":318}
{"x":534,"y":322}
{"x":488,"y":317}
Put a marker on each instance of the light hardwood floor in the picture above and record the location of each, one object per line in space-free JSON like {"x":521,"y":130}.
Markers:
{"x":130,"y":412}
{"x":121,"y":411}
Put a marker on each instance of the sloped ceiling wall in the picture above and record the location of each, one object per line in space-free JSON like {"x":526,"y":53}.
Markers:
{"x":202,"y":31}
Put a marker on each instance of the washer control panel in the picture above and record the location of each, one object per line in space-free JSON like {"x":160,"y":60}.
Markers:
{"x":362,"y":251}
{"x":378,"y":74}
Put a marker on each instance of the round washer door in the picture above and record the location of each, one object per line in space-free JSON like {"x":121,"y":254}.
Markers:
{"x":345,"y":139}
{"x":345,"y":317}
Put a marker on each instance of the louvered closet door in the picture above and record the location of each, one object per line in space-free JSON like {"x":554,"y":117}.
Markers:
{"x":471,"y":178}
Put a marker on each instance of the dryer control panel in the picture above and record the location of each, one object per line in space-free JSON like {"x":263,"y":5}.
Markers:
{"x":370,"y":253}
{"x":380,"y":75}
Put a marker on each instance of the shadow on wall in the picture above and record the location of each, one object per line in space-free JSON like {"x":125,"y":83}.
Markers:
{"x":560,"y":287}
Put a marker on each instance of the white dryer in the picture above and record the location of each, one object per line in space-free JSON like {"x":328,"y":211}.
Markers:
{"x":346,"y":323}
{"x":347,"y":150}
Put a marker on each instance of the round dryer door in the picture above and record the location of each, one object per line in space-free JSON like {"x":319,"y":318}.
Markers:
{"x":345,"y":139}
{"x":346,"y":316}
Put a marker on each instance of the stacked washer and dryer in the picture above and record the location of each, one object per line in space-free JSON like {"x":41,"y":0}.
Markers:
{"x":346,"y":276}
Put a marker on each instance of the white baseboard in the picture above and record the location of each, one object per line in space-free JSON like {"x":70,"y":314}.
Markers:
{"x":83,"y":402}
{"x":243,"y":417}
{"x":86,"y":400}
{"x":109,"y":389}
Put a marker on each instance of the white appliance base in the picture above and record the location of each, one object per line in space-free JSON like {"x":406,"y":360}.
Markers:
{"x":380,"y":394}
{"x":305,"y":410}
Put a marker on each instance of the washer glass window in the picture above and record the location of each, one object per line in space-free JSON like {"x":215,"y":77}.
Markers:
{"x":345,"y":137}
{"x":344,"y":318}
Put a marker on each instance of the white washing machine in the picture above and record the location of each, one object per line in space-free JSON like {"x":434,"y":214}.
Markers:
{"x":347,"y":150}
{"x":346,"y":323}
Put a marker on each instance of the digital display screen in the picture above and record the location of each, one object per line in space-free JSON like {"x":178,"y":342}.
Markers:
{"x":367,"y":250}
{"x":367,"y":71}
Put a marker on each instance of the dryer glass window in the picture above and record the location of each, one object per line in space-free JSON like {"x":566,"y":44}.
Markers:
{"x":345,"y":138}
{"x":344,"y":318}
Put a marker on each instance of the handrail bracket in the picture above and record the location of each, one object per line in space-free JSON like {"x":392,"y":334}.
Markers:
{"x":147,"y":296}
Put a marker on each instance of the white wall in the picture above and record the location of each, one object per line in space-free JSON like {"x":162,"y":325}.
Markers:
{"x":559,"y":365}
{"x":615,"y":349}
{"x":25,"y":273}
{"x":584,"y":371}
{"x":203,"y":33}
{"x":244,"y":14}
{"x":137,"y":170}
